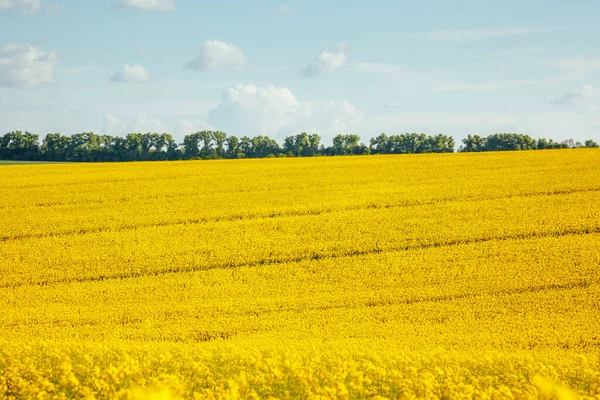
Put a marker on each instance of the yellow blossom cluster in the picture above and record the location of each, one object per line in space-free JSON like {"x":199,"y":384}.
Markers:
{"x":340,"y":370}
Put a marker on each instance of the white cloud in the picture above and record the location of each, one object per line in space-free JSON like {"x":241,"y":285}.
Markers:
{"x":471,"y":35}
{"x":24,"y":66}
{"x":26,"y":6}
{"x":216,"y":54}
{"x":583,"y":94}
{"x":190,"y":126}
{"x":113,"y":125}
{"x":142,"y":124}
{"x":251,"y":110}
{"x":327,"y":61}
{"x":131,"y":73}
{"x":157,"y":5}
{"x":327,"y":118}
{"x":275,"y":111}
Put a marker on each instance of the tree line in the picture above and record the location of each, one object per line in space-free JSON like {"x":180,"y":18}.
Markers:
{"x":515,"y":141}
{"x":89,"y":146}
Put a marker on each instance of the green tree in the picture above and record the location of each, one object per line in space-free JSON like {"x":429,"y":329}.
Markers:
{"x":206,"y":138}
{"x":440,"y":144}
{"x":18,"y":145}
{"x":345,"y":145}
{"x":133,"y":146}
{"x":379,"y":144}
{"x":245,"y":147}
{"x":191,"y":146}
{"x":55,"y":147}
{"x":590,"y":144}
{"x":315,"y":145}
{"x":473,"y":143}
{"x":219,"y":139}
{"x":233,"y":147}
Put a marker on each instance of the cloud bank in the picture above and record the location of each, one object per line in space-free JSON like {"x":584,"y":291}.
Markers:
{"x":582,"y":94}
{"x":326,"y":61}
{"x":275,"y":111}
{"x":131,"y":74}
{"x":25,"y":66}
{"x":142,"y":123}
{"x":25,"y":6}
{"x":215,"y":55}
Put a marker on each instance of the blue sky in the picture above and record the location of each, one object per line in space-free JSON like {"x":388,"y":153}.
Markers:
{"x":276,"y":68}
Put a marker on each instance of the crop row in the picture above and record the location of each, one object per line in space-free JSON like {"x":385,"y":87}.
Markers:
{"x":181,"y":248}
{"x":519,"y":294}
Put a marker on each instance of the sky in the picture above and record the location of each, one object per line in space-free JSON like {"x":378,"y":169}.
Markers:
{"x":321,"y":66}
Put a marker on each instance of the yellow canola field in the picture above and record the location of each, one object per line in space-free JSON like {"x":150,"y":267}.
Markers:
{"x":426,"y":276}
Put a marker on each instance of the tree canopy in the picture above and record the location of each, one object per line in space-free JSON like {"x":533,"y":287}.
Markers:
{"x":88,"y":146}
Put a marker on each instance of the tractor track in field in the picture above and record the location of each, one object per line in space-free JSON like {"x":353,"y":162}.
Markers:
{"x":307,"y":308}
{"x":419,"y":300}
{"x":308,"y":257}
{"x":285,"y":214}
